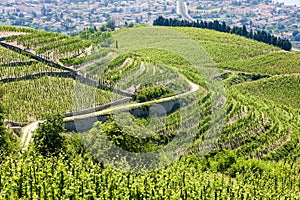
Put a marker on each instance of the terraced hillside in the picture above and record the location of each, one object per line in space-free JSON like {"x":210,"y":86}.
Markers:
{"x":260,"y":128}
{"x":45,"y":94}
{"x":36,"y":88}
{"x":273,"y":63}
{"x":56,"y":47}
{"x":282,"y":90}
{"x":249,"y":151}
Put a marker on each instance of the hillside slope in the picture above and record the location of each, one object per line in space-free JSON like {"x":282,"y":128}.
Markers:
{"x":255,"y":155}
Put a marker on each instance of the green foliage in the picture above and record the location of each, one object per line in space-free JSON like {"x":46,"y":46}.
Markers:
{"x":224,"y":47}
{"x":271,"y":63}
{"x":49,"y":95}
{"x":52,"y":46}
{"x":283,"y":90}
{"x":25,"y":70}
{"x":8,"y":56}
{"x":95,"y":35}
{"x":219,"y":161}
{"x":2,"y":129}
{"x":241,"y":77}
{"x":73,"y":146}
{"x":138,"y":69}
{"x":153,"y":92}
{"x":31,"y":176}
{"x":48,"y":140}
{"x":261,"y":36}
{"x":161,"y":56}
{"x":97,"y":137}
{"x":8,"y":139}
{"x":260,"y":126}
{"x":71,"y":61}
{"x":111,"y":24}
{"x":16,"y":29}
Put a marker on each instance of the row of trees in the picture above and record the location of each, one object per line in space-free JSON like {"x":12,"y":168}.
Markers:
{"x":261,"y":36}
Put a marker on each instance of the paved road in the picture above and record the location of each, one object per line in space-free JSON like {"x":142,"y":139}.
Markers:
{"x":183,"y":11}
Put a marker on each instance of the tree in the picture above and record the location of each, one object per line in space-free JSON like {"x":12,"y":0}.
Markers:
{"x":261,"y":36}
{"x":244,"y":31}
{"x":111,"y":24}
{"x":297,"y":37}
{"x":48,"y":139}
{"x":295,"y":32}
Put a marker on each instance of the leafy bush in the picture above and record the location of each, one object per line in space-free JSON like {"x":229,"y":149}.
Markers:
{"x":219,"y":161}
{"x":152,"y":93}
{"x":72,"y":61}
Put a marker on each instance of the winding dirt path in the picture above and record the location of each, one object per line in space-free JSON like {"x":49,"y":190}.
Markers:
{"x":27,"y":134}
{"x":29,"y":129}
{"x":194,"y":88}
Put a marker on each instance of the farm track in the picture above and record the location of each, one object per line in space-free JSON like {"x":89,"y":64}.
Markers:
{"x":27,"y":134}
{"x":28,"y":130}
{"x":194,"y":88}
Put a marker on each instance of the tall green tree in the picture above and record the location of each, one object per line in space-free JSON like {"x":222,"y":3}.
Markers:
{"x":48,"y":139}
{"x":111,"y":24}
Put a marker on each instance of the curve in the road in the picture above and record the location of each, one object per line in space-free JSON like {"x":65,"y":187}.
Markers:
{"x":194,"y":88}
{"x":29,"y":129}
{"x":183,"y":11}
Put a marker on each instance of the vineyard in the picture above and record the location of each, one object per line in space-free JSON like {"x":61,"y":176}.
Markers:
{"x":25,"y":97}
{"x":224,"y":47}
{"x":10,"y":57}
{"x":254,"y":156}
{"x":28,"y":82}
{"x":283,"y":90}
{"x":273,"y":63}
{"x":53,"y":46}
{"x":24,"y":69}
{"x":35,"y":177}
